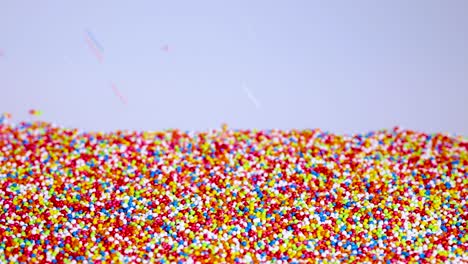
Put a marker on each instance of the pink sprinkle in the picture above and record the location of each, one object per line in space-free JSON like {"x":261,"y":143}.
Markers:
{"x":94,"y":49}
{"x":116,"y":91}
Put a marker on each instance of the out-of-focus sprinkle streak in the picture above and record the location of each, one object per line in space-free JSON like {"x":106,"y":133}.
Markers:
{"x":96,"y":43}
{"x":252,"y":97}
{"x":116,"y":91}
{"x":34,"y":112}
{"x":92,"y":46}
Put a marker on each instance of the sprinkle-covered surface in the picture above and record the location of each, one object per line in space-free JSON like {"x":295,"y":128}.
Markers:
{"x":231,"y":196}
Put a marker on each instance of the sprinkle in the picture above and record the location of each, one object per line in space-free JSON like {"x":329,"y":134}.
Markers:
{"x":229,"y":196}
{"x":252,"y":97}
{"x":34,"y":112}
{"x":116,"y":91}
{"x":92,"y":46}
{"x":96,"y":43}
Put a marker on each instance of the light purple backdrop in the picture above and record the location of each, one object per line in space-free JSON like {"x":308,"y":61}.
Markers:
{"x":342,"y":66}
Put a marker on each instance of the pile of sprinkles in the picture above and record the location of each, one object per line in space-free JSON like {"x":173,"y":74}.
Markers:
{"x":228,"y":195}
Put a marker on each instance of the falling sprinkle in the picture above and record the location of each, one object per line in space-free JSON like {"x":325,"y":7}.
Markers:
{"x":35,"y":112}
{"x":116,"y":91}
{"x":93,"y":48}
{"x":252,"y":97}
{"x":96,"y":43}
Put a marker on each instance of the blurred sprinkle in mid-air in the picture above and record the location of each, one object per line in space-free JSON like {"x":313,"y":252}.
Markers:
{"x":93,"y":47}
{"x":116,"y":91}
{"x":34,"y":112}
{"x":252,"y":97}
{"x":96,"y":43}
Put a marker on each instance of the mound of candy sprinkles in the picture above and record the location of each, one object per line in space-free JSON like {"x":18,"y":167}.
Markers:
{"x":230,"y":196}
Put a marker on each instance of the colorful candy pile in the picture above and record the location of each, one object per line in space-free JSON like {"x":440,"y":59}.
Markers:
{"x":231,"y":196}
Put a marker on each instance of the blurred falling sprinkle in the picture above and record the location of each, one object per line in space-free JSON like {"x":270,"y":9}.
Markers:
{"x":93,"y":48}
{"x":34,"y":112}
{"x":116,"y":91}
{"x":96,"y":43}
{"x":252,"y":97}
